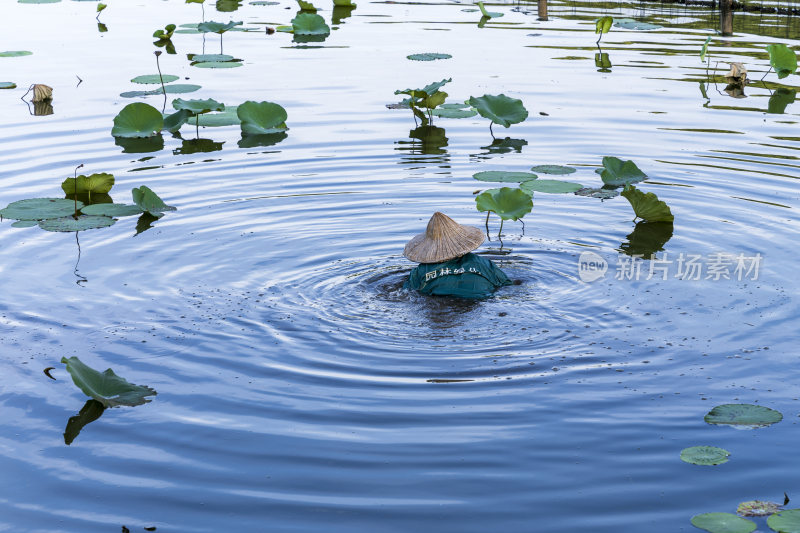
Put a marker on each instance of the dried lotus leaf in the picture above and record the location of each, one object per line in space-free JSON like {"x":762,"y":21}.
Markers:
{"x":42,"y":92}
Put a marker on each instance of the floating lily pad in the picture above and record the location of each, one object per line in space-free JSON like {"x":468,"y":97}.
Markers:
{"x":217,"y":27}
{"x":705,"y":455}
{"x":309,"y":24}
{"x":106,"y":387}
{"x":453,"y":113}
{"x":259,"y":118}
{"x":617,"y":172}
{"x":38,"y":1}
{"x":39,"y":208}
{"x":175,"y":88}
{"x":785,"y":521}
{"x":631,"y":24}
{"x":504,"y":176}
{"x":603,"y":194}
{"x":743,"y":415}
{"x":15,"y":53}
{"x":723,"y":523}
{"x":8,"y":85}
{"x":553,"y":169}
{"x":264,"y":3}
{"x":112,"y":210}
{"x":550,"y":186}
{"x":428,"y":57}
{"x":25,"y":223}
{"x":94,"y":183}
{"x":149,"y":201}
{"x":647,"y":206}
{"x":757,"y":508}
{"x":507,"y":203}
{"x":71,"y":223}
{"x":202,"y":58}
{"x":455,"y":106}
{"x":217,"y":64}
{"x":137,"y":120}
{"x":228,"y":117}
{"x":782,"y":59}
{"x":154,"y":78}
{"x":500,"y":109}
{"x":488,"y":14}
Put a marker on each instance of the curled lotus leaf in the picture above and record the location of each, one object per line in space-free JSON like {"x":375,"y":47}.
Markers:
{"x":39,"y":208}
{"x":42,"y":92}
{"x":106,"y":387}
{"x":426,"y":91}
{"x":137,"y":120}
{"x":310,"y":24}
{"x":743,"y":415}
{"x":150,"y":202}
{"x":100,"y":182}
{"x":603,"y":24}
{"x":757,"y":508}
{"x":173,"y":122}
{"x":307,"y":7}
{"x":550,"y":186}
{"x":507,"y":203}
{"x":217,"y":27}
{"x":723,"y":523}
{"x":259,"y":118}
{"x":112,"y":210}
{"x":647,"y":206}
{"x":198,"y":107}
{"x":500,"y":109}
{"x":228,"y":117}
{"x":72,"y":223}
{"x":154,"y":78}
{"x":553,"y":169}
{"x":785,"y":521}
{"x":504,"y":176}
{"x":704,"y":455}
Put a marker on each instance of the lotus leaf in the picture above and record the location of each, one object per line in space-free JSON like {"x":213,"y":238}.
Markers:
{"x":38,"y":1}
{"x":25,"y":223}
{"x":782,"y":59}
{"x":757,"y":508}
{"x":264,"y":3}
{"x":647,"y":206}
{"x":285,"y":29}
{"x":426,"y":91}
{"x":704,"y":49}
{"x":217,"y":64}
{"x":198,"y":107}
{"x":112,"y":210}
{"x":453,"y":113}
{"x":705,"y":455}
{"x":166,"y":33}
{"x":258,"y":118}
{"x":94,"y":183}
{"x":217,"y":27}
{"x":8,"y":85}
{"x":149,"y":201}
{"x":603,"y":24}
{"x":228,"y":117}
{"x":344,"y":3}
{"x":137,"y":120}
{"x":176,"y":88}
{"x":616,"y":172}
{"x":723,"y":523}
{"x":743,"y":414}
{"x":455,"y":106}
{"x":71,"y":223}
{"x":433,"y":100}
{"x":428,"y":57}
{"x":785,"y":521}
{"x":154,"y":78}
{"x":202,"y":58}
{"x":488,"y":14}
{"x":507,"y":203}
{"x":15,"y":53}
{"x":173,"y":122}
{"x":603,"y":194}
{"x":307,"y":7}
{"x":550,"y":186}
{"x":500,"y":109}
{"x":553,"y":169}
{"x":106,"y":387}
{"x":101,"y":7}
{"x":631,"y":24}
{"x":39,"y":208}
{"x":195,"y":1}
{"x":504,"y":176}
{"x":309,"y":24}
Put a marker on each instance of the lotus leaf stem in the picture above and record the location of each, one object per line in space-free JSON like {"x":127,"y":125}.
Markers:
{"x":160,"y":77}
{"x":762,"y":78}
{"x":487,"y":225}
{"x":499,"y":233}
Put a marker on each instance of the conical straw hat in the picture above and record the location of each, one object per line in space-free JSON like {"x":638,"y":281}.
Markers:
{"x":444,"y":239}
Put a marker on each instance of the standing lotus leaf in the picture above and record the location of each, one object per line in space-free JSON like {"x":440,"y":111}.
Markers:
{"x":198,"y":107}
{"x":39,"y":208}
{"x":785,"y":521}
{"x":616,"y":172}
{"x":603,"y":24}
{"x":507,"y":203}
{"x":723,"y":523}
{"x":307,"y":7}
{"x":149,"y":201}
{"x":100,"y":182}
{"x":258,"y":118}
{"x":647,"y":206}
{"x":743,"y":415}
{"x":137,"y":120}
{"x":106,"y":387}
{"x":488,"y":14}
{"x":310,"y":24}
{"x":705,"y":455}
{"x":500,"y":109}
{"x":782,"y":59}
{"x":217,"y":27}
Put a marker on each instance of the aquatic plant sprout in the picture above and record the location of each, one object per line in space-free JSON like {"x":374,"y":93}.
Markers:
{"x":603,"y":25}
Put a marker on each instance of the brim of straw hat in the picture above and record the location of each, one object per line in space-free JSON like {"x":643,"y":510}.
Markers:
{"x":443,"y":240}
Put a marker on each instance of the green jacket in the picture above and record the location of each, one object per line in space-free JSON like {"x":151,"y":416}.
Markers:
{"x":468,"y":276}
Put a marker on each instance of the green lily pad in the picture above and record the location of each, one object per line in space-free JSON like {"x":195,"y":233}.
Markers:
{"x":428,"y":57}
{"x":647,"y":206}
{"x":507,"y":203}
{"x":284,"y":29}
{"x":264,"y":3}
{"x":504,"y":176}
{"x":550,"y":186}
{"x":203,"y":58}
{"x":309,"y":24}
{"x":757,"y":508}
{"x":500,"y":109}
{"x":617,"y":172}
{"x":217,"y":64}
{"x":112,"y":210}
{"x":198,"y":107}
{"x":81,"y":223}
{"x":785,"y":521}
{"x":603,"y":194}
{"x":106,"y":387}
{"x":217,"y":27}
{"x":603,"y":24}
{"x":631,"y":24}
{"x":175,"y":88}
{"x":228,"y":117}
{"x":743,"y":415}
{"x":25,"y":223}
{"x":149,"y":201}
{"x":8,"y":85}
{"x":723,"y":523}
{"x":38,"y":1}
{"x":259,"y":118}
{"x":426,"y":91}
{"x":39,"y":208}
{"x":94,"y":183}
{"x":455,"y":106}
{"x":705,"y":455}
{"x":154,"y":78}
{"x":137,"y":120}
{"x":453,"y":113}
{"x":782,"y":59}
{"x":344,"y":3}
{"x":488,"y":14}
{"x":15,"y":53}
{"x":553,"y":169}
{"x":173,"y":122}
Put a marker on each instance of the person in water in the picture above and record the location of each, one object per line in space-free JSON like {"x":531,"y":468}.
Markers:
{"x":447,"y":268}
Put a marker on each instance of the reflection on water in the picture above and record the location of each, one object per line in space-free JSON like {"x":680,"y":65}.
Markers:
{"x":91,"y":411}
{"x":194,"y":146}
{"x":647,"y":238}
{"x":140,"y":145}
{"x":602,"y":62}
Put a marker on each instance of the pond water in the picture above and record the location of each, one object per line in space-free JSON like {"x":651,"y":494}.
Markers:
{"x":300,"y":388}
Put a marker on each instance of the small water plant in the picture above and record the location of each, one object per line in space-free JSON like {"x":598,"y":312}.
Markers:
{"x":647,"y":206}
{"x":100,"y":7}
{"x":499,"y":109}
{"x":601,"y":26}
{"x":166,"y":33}
{"x":106,"y":387}
{"x":506,"y":202}
{"x":618,"y":173}
{"x":218,"y":28}
{"x":427,"y":98}
{"x":781,"y":58}
{"x":192,"y":109}
{"x":309,"y":27}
